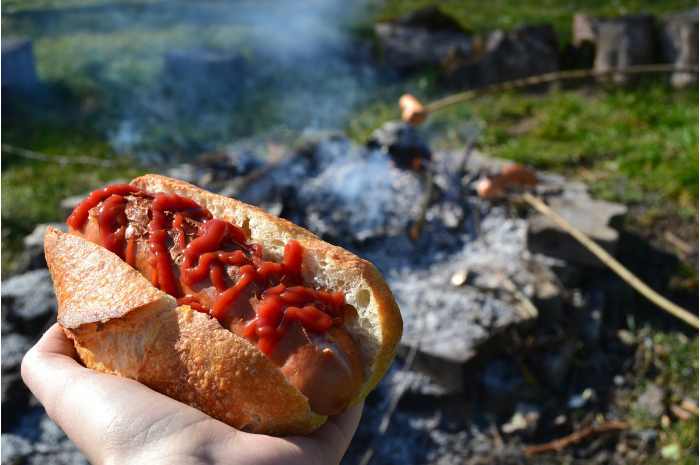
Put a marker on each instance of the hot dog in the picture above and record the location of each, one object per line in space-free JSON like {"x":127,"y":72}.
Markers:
{"x":319,"y":321}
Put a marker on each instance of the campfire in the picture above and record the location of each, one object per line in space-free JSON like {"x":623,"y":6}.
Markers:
{"x":465,"y":278}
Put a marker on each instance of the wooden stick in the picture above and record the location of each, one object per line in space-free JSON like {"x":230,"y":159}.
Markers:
{"x":34,"y":155}
{"x":552,"y":77}
{"x":611,"y":262}
{"x":575,"y":437}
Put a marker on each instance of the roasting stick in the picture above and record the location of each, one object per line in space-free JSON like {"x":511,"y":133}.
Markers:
{"x":460,"y":97}
{"x":611,"y":262}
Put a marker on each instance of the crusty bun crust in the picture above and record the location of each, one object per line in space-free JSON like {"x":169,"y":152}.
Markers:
{"x":177,"y":351}
{"x":122,"y":324}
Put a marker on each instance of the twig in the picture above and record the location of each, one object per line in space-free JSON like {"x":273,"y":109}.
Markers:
{"x":575,"y":437}
{"x":612,"y":263}
{"x":683,"y":247}
{"x":33,"y":155}
{"x":552,"y":77}
{"x":527,"y":306}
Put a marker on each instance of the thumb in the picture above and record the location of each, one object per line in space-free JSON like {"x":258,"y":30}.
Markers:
{"x":103,"y":414}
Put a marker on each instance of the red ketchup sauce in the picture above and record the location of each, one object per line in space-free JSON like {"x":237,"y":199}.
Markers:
{"x":280,"y":296}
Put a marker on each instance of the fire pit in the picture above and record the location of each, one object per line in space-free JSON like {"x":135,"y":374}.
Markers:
{"x":464,"y":280}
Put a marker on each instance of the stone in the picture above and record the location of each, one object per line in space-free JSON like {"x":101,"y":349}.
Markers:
{"x":19,"y":68}
{"x":15,"y":449}
{"x":69,"y":203}
{"x":651,"y":402}
{"x":14,"y":346}
{"x":51,"y":434}
{"x":441,"y":376}
{"x":185,"y":172}
{"x":547,"y":293}
{"x":426,"y":37}
{"x":15,"y":396}
{"x":526,"y":51}
{"x":592,"y":217}
{"x":679,"y":45}
{"x":401,"y":142}
{"x":73,"y":457}
{"x":28,"y":301}
{"x":34,"y":245}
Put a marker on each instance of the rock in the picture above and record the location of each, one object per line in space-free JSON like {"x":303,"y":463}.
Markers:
{"x":34,"y":245}
{"x":679,"y":45}
{"x":15,"y":396}
{"x":651,"y":401}
{"x":14,"y":346}
{"x":620,"y":42}
{"x":401,"y":141}
{"x":592,"y":217}
{"x":524,"y":419}
{"x":441,"y":376}
{"x":69,"y":203}
{"x":51,"y":435}
{"x":548,"y":291}
{"x":15,"y":449}
{"x":28,"y":301}
{"x":526,"y":51}
{"x":19,"y":69}
{"x":186,"y":172}
{"x":424,"y":38}
{"x":244,"y":160}
{"x":63,"y":457}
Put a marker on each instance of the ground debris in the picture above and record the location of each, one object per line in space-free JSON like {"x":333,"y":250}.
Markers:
{"x":576,"y":437}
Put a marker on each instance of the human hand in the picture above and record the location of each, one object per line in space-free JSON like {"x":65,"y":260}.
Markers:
{"x":117,"y":420}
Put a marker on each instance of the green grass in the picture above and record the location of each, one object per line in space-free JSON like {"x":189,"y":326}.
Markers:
{"x":32,"y":190}
{"x":671,"y":362}
{"x":481,"y":16}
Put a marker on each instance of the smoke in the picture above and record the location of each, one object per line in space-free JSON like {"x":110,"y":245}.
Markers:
{"x":358,"y":194}
{"x":234,"y":69}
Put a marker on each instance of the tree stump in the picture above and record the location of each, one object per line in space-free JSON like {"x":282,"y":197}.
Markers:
{"x":679,"y":45}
